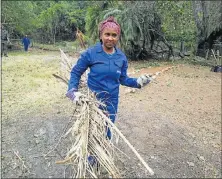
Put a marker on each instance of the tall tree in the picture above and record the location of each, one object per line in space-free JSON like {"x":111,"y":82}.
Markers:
{"x":208,"y":19}
{"x":19,"y":16}
{"x":49,"y":19}
{"x":139,"y":22}
{"x":61,"y":19}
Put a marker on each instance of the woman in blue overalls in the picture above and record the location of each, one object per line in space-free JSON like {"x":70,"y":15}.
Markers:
{"x":108,"y":69}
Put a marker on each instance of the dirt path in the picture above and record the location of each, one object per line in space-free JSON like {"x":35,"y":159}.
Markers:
{"x":174,"y":123}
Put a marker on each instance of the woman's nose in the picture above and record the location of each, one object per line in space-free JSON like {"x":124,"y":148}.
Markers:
{"x":110,"y":37}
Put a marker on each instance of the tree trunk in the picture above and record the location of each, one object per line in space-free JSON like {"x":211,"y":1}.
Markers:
{"x":196,"y":10}
{"x":54,"y":38}
{"x":54,"y":35}
{"x":182,"y":50}
{"x":205,"y":18}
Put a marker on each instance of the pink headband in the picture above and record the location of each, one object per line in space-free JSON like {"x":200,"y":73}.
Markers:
{"x":110,"y":22}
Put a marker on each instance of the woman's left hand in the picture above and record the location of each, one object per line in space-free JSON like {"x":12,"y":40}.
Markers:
{"x":144,"y":80}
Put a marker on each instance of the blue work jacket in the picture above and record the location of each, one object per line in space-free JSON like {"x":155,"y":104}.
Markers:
{"x":107,"y":72}
{"x":26,"y":41}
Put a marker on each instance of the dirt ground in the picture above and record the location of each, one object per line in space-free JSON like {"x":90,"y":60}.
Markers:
{"x":174,"y":123}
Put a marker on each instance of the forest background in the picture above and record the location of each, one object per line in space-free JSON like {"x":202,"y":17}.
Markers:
{"x":150,"y":29}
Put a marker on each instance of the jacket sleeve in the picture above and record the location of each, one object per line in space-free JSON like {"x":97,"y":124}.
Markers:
{"x":77,"y":71}
{"x":125,"y":80}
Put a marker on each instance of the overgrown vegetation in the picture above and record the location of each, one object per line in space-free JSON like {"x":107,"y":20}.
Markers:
{"x":150,"y":29}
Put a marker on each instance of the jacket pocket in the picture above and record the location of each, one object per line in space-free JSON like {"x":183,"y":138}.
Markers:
{"x":118,"y":63}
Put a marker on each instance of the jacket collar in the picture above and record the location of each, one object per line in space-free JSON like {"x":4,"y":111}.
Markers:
{"x":99,"y":48}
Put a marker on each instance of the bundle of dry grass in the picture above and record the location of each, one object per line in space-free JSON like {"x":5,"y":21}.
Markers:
{"x":88,"y":135}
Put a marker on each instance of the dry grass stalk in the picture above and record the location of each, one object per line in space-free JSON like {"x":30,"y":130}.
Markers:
{"x":65,"y":62}
{"x":65,"y":69}
{"x":88,"y":134}
{"x":127,"y":142}
{"x":89,"y":138}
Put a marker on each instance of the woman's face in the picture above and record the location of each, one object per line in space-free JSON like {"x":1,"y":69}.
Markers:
{"x":109,"y":38}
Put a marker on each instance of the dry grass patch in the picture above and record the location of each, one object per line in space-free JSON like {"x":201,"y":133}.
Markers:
{"x":27,"y":83}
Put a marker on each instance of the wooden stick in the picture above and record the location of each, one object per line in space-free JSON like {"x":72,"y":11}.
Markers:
{"x":217,"y":63}
{"x":206,"y":57}
{"x":125,"y":140}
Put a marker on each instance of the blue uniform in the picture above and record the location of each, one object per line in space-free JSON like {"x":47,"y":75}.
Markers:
{"x":26,"y":43}
{"x":106,"y":74}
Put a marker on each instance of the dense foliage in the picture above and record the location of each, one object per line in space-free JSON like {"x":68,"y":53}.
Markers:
{"x":144,"y":23}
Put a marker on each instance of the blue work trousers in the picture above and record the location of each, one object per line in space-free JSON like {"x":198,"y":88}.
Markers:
{"x":26,"y":47}
{"x":110,"y":110}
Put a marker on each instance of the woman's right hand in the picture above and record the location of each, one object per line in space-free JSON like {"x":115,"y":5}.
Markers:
{"x":71,"y":94}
